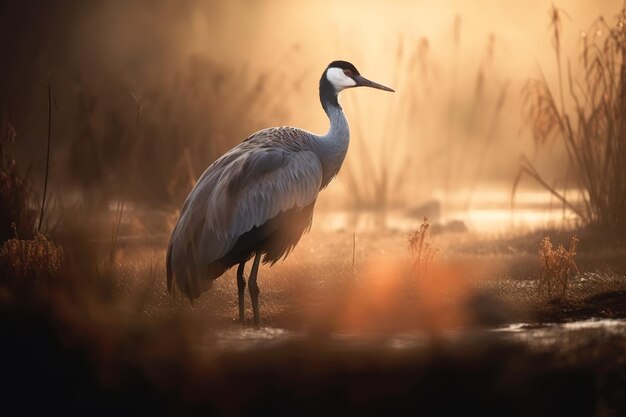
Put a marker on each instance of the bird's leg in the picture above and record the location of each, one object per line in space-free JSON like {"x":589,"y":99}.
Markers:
{"x":254,"y":289}
{"x":241,"y":286}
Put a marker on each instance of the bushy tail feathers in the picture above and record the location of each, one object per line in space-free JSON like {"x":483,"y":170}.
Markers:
{"x":183,"y":274}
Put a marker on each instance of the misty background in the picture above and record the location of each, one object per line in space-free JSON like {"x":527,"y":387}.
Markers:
{"x":148,"y":93}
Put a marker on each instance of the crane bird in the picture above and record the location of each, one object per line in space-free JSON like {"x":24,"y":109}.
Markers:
{"x":257,"y":199}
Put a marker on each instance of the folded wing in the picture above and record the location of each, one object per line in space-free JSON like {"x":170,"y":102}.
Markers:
{"x":245,"y":188}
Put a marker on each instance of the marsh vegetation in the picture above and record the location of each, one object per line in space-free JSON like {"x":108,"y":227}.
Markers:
{"x":418,"y":288}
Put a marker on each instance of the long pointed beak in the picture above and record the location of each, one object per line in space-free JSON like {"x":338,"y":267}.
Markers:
{"x":364,"y":82}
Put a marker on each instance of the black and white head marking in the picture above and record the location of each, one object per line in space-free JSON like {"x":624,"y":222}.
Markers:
{"x":340,"y":74}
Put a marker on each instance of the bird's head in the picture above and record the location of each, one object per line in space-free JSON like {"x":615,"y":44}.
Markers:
{"x":342,"y":75}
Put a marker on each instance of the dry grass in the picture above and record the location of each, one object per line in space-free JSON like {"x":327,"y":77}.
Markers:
{"x":24,"y":262}
{"x":113,"y":320}
{"x":589,"y":118}
{"x":141,"y":332}
{"x":148,"y":140}
{"x":438,"y":130}
{"x":422,"y":248}
{"x":16,"y":196}
{"x":556,"y":267}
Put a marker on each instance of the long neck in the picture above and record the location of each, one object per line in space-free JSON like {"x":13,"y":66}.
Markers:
{"x":333,"y":146}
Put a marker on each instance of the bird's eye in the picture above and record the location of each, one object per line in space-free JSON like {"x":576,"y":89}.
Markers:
{"x":347,"y":72}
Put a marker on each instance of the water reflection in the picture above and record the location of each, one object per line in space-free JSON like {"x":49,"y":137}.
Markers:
{"x":254,"y":338}
{"x":490,"y":212}
{"x":564,"y":335}
{"x":548,"y":335}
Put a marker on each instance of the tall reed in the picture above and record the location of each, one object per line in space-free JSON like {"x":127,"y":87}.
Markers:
{"x":17,"y":213}
{"x":589,"y":118}
{"x":436,"y":133}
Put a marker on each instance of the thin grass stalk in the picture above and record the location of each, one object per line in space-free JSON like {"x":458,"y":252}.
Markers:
{"x":489,"y":137}
{"x":353,"y":251}
{"x":556,"y":27}
{"x":528,"y":169}
{"x":115,"y":232}
{"x":45,"y":183}
{"x":452,"y":103}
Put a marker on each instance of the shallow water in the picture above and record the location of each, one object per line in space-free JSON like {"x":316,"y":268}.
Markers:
{"x":572,"y":334}
{"x":545,"y":335}
{"x":490,"y":211}
{"x":254,"y":338}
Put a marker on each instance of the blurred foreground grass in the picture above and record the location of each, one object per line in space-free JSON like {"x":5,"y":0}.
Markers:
{"x":104,"y":337}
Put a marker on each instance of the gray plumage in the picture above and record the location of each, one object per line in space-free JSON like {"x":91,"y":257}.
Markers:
{"x":257,"y":199}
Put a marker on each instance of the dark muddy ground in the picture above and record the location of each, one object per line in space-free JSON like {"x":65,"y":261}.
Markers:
{"x":336,"y":339}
